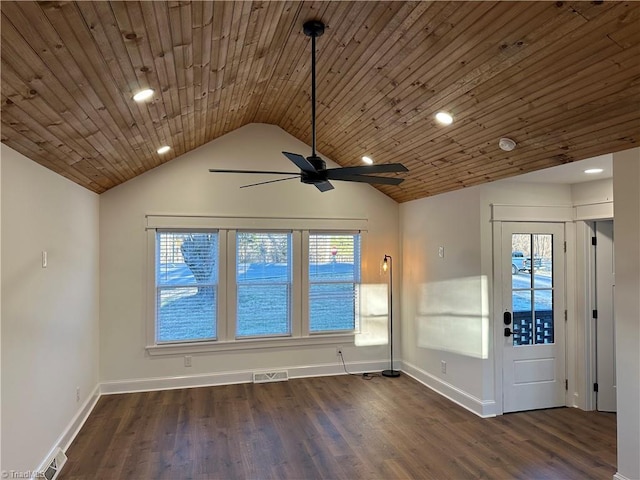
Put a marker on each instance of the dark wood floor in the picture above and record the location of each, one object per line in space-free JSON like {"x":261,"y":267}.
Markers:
{"x":341,"y":427}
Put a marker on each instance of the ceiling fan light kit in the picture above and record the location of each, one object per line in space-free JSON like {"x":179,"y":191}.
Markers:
{"x":313,"y":169}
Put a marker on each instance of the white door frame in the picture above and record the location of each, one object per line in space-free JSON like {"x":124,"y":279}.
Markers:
{"x":530,"y":213}
{"x":586,"y":398}
{"x":550,"y":392}
{"x":584,"y":330}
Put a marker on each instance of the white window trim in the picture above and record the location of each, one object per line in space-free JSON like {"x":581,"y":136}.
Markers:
{"x":306,"y":284}
{"x":227,"y":227}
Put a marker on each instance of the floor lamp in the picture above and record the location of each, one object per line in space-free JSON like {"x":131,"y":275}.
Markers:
{"x":387,"y":265}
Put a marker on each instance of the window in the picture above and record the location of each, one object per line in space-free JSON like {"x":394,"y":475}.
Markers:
{"x":263,"y":277}
{"x":186,"y":286}
{"x":334,"y":276}
{"x":221,"y":283}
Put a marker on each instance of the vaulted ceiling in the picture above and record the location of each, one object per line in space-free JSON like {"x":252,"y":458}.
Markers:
{"x":562,"y":79}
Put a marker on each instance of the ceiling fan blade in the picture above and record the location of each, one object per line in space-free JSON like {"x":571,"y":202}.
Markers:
{"x":368,"y":179}
{"x":368,"y":169}
{"x":301,"y":162}
{"x":324,"y":186}
{"x":217,"y":170}
{"x":269,"y":181}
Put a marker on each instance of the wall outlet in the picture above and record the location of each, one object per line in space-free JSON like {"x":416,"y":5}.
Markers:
{"x":77,"y":394}
{"x":187,"y":360}
{"x":443,"y":366}
{"x":441,"y":252}
{"x":338,"y":351}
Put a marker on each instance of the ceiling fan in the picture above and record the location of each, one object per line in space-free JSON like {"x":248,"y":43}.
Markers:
{"x":313,"y":169}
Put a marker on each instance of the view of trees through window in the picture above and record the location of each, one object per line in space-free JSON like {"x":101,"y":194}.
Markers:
{"x":263,"y":276}
{"x":187,"y":277}
{"x":186,"y":286}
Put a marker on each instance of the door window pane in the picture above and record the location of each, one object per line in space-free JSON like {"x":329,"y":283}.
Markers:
{"x":532,"y":288}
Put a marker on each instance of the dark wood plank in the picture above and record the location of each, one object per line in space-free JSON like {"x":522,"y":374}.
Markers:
{"x":342,"y":427}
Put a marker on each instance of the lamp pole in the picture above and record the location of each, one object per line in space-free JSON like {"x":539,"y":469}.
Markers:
{"x":387,"y":263}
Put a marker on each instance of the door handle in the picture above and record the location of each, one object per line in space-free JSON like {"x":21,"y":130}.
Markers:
{"x":506,"y":317}
{"x":507,"y":332}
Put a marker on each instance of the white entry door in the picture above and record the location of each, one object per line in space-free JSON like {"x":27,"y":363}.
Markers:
{"x":533,"y":301}
{"x":605,"y":326}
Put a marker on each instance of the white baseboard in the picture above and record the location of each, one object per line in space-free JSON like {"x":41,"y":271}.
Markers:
{"x":618,"y":476}
{"x":229,"y":378}
{"x":482,"y":408}
{"x":69,"y":433}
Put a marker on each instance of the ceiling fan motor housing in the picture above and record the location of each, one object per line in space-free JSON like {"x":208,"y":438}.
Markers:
{"x":319,"y":175}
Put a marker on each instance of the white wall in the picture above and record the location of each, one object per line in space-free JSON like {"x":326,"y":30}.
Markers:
{"x":626,"y":181}
{"x":597,"y":191}
{"x":49,"y":316}
{"x":442,"y":297}
{"x":184,"y":186}
{"x":447,"y":302}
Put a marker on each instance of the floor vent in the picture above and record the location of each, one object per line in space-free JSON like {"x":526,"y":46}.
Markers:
{"x":55,"y":465}
{"x":266,"y":377}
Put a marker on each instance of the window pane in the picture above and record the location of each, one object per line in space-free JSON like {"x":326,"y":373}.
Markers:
{"x":532,"y":288}
{"x":520,"y":255}
{"x":263,"y":310}
{"x":186,"y":314}
{"x":263,"y":276}
{"x":332,"y":306}
{"x":186,"y":283}
{"x":334,"y":272}
{"x":522,"y":318}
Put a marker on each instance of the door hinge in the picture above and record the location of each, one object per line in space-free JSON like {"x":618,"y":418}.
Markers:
{"x":594,"y":314}
{"x":565,"y":247}
{"x":595,"y":387}
{"x":565,"y":315}
{"x":566,"y":384}
{"x":594,"y":241}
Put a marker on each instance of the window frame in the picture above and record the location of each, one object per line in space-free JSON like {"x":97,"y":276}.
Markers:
{"x":290,"y":293}
{"x":227,"y":228}
{"x":158,"y":287}
{"x":307,"y":282}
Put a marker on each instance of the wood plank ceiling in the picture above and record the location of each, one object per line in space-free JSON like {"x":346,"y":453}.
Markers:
{"x":560,"y":78}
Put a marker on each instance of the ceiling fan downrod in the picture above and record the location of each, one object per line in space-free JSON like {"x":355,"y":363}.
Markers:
{"x":313,"y":29}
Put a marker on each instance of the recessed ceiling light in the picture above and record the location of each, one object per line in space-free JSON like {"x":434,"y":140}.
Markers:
{"x":367,"y":160}
{"x":444,"y":118}
{"x":143,"y":95}
{"x":163,"y":149}
{"x":593,"y":170}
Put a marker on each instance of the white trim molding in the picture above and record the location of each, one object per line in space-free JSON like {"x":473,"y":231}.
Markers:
{"x":619,"y":476}
{"x":71,"y":431}
{"x":594,"y":211}
{"x":482,"y":408}
{"x":250,"y":344}
{"x":228,"y":222}
{"x":234,"y":377}
{"x":531,"y":213}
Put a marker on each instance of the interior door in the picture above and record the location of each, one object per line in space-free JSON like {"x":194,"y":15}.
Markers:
{"x":605,"y":326}
{"x":533,"y":301}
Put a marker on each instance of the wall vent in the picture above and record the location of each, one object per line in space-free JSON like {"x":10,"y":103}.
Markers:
{"x":54,"y":466}
{"x":266,"y":377}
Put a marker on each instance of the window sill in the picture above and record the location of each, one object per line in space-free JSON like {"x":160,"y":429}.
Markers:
{"x":249,"y":344}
